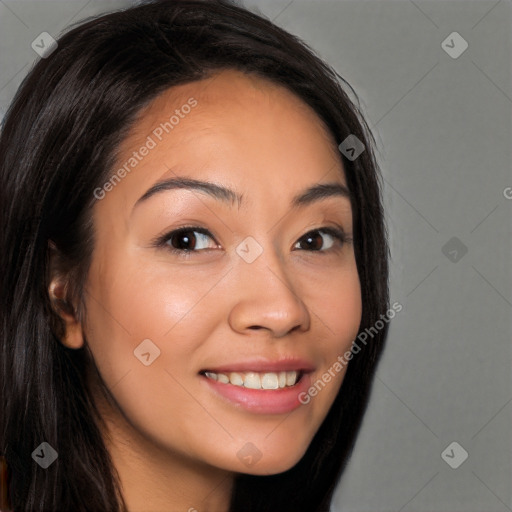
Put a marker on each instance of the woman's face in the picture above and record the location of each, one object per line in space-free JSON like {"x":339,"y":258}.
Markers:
{"x":254,"y":289}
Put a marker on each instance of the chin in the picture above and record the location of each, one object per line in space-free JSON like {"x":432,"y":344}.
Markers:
{"x":271,"y":461}
{"x":271,"y":467}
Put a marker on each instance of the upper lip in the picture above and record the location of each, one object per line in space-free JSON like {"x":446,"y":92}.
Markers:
{"x":264,"y":365}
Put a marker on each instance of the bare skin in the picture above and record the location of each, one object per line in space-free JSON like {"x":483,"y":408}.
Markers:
{"x":173,"y":440}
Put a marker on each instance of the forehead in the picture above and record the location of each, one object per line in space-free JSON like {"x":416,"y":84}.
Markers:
{"x":235,"y":128}
{"x":231,"y":102}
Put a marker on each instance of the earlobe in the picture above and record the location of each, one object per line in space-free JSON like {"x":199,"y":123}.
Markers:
{"x":72,"y":337}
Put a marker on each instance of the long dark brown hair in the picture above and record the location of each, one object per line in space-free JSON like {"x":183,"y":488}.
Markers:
{"x":57,"y":146}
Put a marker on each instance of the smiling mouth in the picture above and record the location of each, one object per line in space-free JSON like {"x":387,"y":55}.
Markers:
{"x":257,"y":380}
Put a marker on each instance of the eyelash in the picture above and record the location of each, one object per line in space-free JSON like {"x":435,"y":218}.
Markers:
{"x":163,"y":241}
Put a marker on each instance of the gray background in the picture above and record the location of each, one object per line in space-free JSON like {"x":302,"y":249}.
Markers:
{"x":443,"y":127}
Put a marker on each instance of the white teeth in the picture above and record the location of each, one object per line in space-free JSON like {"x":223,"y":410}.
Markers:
{"x":291,"y":378}
{"x":222,"y":378}
{"x":236,"y":379}
{"x":270,"y":381}
{"x":254,"y":380}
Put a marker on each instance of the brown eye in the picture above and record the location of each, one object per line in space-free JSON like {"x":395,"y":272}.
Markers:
{"x":314,"y":241}
{"x":188,"y":239}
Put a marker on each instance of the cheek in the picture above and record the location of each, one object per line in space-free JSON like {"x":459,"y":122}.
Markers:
{"x":341,"y":307}
{"x":334,"y":301}
{"x":335,"y":304}
{"x":137,"y":300}
{"x":141,"y":309}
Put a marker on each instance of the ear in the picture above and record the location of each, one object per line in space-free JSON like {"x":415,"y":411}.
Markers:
{"x":71,"y":335}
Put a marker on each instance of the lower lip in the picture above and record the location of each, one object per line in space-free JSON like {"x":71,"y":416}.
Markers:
{"x":262,"y":401}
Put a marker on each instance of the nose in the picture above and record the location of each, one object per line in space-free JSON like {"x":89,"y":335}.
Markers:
{"x":266,"y":298}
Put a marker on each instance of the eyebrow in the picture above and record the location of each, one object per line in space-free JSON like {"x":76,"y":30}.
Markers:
{"x":308,"y":196}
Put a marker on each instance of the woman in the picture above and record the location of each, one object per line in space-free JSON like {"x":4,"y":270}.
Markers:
{"x":192,"y":240}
